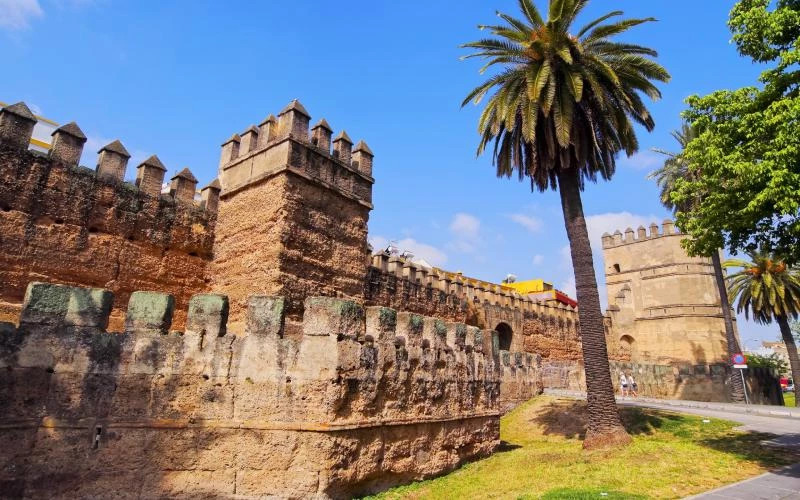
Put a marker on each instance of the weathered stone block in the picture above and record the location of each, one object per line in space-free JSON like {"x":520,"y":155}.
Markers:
{"x":381,"y":323}
{"x":265,"y":315}
{"x":45,"y":304}
{"x":329,"y":316}
{"x":149,"y":312}
{"x":89,"y":307}
{"x":208,"y":313}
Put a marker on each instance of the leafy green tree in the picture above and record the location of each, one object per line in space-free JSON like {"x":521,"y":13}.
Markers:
{"x":562,"y":107}
{"x":769,"y":290}
{"x":676,"y":168}
{"x":749,"y":148}
{"x":772,"y":361}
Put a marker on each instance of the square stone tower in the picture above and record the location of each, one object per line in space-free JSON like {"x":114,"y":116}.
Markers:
{"x":664,"y":306}
{"x":293,"y":214}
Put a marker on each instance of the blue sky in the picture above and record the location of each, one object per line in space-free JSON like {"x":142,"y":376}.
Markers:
{"x":177,"y":78}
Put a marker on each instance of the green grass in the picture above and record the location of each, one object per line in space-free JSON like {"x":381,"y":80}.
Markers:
{"x":541,"y":457}
{"x":788,"y":399}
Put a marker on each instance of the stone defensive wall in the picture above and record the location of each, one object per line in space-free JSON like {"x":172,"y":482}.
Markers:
{"x":66,"y":223}
{"x":366,"y":398}
{"x":703,"y":382}
{"x":548,"y":329}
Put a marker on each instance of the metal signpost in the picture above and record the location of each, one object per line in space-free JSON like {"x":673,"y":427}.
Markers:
{"x":740,"y":363}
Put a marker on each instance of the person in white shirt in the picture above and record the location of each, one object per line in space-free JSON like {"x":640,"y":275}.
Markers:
{"x":623,"y":384}
{"x":632,"y":386}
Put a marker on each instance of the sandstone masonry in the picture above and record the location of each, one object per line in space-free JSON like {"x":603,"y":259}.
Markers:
{"x":364,"y":399}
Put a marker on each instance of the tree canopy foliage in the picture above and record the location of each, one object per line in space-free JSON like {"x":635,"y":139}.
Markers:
{"x":747,"y":195}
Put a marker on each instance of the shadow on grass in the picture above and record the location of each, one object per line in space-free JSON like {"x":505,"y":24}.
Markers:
{"x":568,"y":419}
{"x":506,"y":446}
{"x":587,"y":494}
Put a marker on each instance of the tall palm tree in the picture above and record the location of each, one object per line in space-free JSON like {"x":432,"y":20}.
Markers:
{"x":561,"y":109}
{"x":769,"y":290}
{"x":675,"y":168}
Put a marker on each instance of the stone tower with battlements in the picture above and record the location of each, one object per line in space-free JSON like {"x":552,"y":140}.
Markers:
{"x":293,"y":212}
{"x":664,"y":306}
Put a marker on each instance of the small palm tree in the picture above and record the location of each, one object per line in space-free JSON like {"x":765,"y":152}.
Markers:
{"x":562,"y":107}
{"x":675,"y":168}
{"x":769,"y":290}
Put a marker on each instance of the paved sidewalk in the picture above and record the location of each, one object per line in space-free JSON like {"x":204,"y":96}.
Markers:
{"x":768,"y":411}
{"x":782,"y":484}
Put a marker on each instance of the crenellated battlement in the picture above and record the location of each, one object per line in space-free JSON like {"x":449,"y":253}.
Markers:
{"x":285,"y":143}
{"x":617,"y":239}
{"x":389,"y":270}
{"x":266,"y":413}
{"x":350,"y":365}
{"x":16,"y":130}
{"x":82,"y":226}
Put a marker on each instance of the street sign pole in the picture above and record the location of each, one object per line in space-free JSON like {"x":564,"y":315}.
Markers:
{"x":744,"y":386}
{"x":740,"y":363}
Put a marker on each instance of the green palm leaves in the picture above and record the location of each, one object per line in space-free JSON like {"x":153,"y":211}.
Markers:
{"x":675,"y":167}
{"x":562,"y":101}
{"x":765,"y":288}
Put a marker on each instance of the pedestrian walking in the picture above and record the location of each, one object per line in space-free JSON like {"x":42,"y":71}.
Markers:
{"x":632,"y":386}
{"x":623,"y":384}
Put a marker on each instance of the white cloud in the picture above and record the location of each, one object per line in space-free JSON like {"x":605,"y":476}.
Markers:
{"x":429,"y":253}
{"x":532,"y":224}
{"x":538,"y":259}
{"x":643,"y":160}
{"x":465,"y":226}
{"x":466,"y":231}
{"x":17,"y":14}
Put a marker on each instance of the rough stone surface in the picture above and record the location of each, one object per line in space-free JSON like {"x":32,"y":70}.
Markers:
{"x":664,"y":306}
{"x":64,"y":224}
{"x":361,"y":402}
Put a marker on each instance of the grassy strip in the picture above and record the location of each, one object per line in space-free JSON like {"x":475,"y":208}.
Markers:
{"x":788,"y":399}
{"x":541,"y":457}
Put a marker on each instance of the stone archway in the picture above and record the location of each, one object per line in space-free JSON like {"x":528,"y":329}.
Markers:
{"x":627,"y":345}
{"x":506,"y":335}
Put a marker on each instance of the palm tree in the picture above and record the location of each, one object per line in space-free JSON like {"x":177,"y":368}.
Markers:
{"x":674,"y":169}
{"x":769,"y":290}
{"x":561,"y":109}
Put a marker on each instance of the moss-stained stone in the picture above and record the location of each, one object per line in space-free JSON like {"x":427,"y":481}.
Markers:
{"x":45,"y":303}
{"x":505,"y":356}
{"x":461,"y":334}
{"x":150,"y":312}
{"x":208,"y":313}
{"x":388,"y":318}
{"x":265,"y":315}
{"x":440,"y":329}
{"x":89,"y":307}
{"x":416,"y":323}
{"x":331,"y":316}
{"x":495,"y":342}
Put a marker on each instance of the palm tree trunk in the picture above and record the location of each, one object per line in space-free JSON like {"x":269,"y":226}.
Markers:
{"x":734,"y":380}
{"x":604,"y":426}
{"x":791,"y":349}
